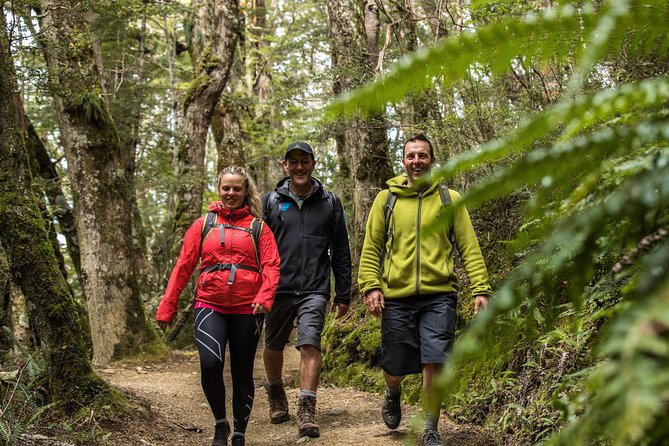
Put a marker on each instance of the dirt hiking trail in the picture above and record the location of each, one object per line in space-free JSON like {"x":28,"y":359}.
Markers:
{"x":176,"y":413}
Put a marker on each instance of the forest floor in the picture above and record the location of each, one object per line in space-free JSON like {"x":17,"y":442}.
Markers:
{"x":176,"y":413}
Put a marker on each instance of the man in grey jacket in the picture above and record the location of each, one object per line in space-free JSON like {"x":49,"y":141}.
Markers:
{"x":310,"y":232}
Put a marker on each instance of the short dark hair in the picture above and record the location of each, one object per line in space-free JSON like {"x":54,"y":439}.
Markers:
{"x":419,"y":137}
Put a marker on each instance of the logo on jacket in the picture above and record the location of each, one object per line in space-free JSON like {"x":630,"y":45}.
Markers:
{"x":285,"y":206}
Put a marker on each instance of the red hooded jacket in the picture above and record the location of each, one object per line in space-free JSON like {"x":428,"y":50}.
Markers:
{"x":213,"y":289}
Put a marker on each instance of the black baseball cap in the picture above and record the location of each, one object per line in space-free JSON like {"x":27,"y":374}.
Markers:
{"x":299,"y":145}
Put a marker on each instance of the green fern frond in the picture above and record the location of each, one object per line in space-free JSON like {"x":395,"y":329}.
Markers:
{"x":566,"y":162}
{"x":565,"y":254}
{"x":610,"y":28}
{"x":579,"y":114}
{"x":631,"y":387}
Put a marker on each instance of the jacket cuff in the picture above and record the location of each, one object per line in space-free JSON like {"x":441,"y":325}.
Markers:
{"x":342,"y":299}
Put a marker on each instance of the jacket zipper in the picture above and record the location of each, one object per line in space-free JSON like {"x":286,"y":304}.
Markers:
{"x":420,"y":203}
{"x":301,"y":242}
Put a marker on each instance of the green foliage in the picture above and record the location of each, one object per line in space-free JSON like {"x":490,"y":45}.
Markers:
{"x":22,"y":404}
{"x":557,"y":34}
{"x":573,"y":349}
{"x":92,"y":105}
{"x":350,"y":348}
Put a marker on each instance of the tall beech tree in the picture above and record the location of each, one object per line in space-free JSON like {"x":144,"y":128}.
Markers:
{"x":214,"y":33}
{"x":364,"y":139}
{"x":32,"y":263}
{"x":100,"y":173}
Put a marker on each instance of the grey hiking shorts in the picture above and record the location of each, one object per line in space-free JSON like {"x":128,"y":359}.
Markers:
{"x":309,"y":311}
{"x":417,"y":330}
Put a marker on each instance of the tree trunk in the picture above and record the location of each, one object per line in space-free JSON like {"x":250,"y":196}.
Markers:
{"x":58,"y":204}
{"x":365,"y":138}
{"x":32,"y":263}
{"x":214,"y":37}
{"x":101,"y":184}
{"x":226,"y":126}
{"x":424,"y":105}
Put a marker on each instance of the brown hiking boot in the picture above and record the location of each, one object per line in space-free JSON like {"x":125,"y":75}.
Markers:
{"x":306,"y":417}
{"x":278,"y":403}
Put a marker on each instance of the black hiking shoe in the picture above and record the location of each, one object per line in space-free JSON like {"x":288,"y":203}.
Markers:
{"x":432,"y":438}
{"x":306,"y":417}
{"x":391,"y":410}
{"x":238,"y":440}
{"x":221,"y":434}
{"x":278,"y":403}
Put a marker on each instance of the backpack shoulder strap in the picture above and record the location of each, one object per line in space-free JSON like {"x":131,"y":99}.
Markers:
{"x":444,"y":194}
{"x":256,"y":231}
{"x":270,"y":205}
{"x":446,"y":201}
{"x":333,"y":204}
{"x":207,"y":225}
{"x":391,"y":198}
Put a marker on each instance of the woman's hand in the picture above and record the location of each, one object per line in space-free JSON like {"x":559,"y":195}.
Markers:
{"x":258,"y":308}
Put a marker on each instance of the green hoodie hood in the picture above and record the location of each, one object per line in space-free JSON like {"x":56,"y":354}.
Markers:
{"x":399,"y":185}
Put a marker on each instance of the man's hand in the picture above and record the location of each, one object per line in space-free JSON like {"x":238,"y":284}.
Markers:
{"x":375,"y":302}
{"x":340,"y":309}
{"x":480,"y":303}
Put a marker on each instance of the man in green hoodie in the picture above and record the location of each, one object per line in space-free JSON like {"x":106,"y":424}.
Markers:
{"x":407,"y":276}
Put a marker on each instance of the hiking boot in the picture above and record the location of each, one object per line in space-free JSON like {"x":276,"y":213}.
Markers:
{"x":391,"y":410}
{"x":278,"y":403}
{"x":238,"y":440}
{"x":432,"y":438}
{"x":221,"y":434}
{"x":306,"y":417}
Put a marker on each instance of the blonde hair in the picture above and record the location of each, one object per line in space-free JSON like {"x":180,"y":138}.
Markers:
{"x":252,"y":197}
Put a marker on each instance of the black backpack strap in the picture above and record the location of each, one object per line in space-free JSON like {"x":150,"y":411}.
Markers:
{"x":445,"y":196}
{"x":270,"y":208}
{"x":207,"y":225}
{"x":333,"y":204}
{"x":232,"y":267}
{"x":256,"y":232}
{"x":222,"y":226}
{"x":391,"y":198}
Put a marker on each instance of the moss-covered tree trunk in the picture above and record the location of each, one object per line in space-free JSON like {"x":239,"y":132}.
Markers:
{"x":214,"y":36}
{"x":366,"y":143}
{"x":101,"y":183}
{"x":58,"y":205}
{"x":32,"y":262}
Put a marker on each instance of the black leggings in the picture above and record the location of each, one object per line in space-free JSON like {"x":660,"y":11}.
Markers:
{"x":213,"y":331}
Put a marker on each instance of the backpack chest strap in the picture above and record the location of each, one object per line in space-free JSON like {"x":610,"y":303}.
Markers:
{"x":232,"y":267}
{"x":221,"y":230}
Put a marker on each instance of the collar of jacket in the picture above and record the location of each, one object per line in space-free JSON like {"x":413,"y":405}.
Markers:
{"x":282,"y":187}
{"x":217,"y":206}
{"x":399,"y":185}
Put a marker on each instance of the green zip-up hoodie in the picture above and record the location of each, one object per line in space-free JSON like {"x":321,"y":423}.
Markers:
{"x":418,"y":261}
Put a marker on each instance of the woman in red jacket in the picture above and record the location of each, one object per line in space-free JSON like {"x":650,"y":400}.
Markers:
{"x":236,"y":286}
